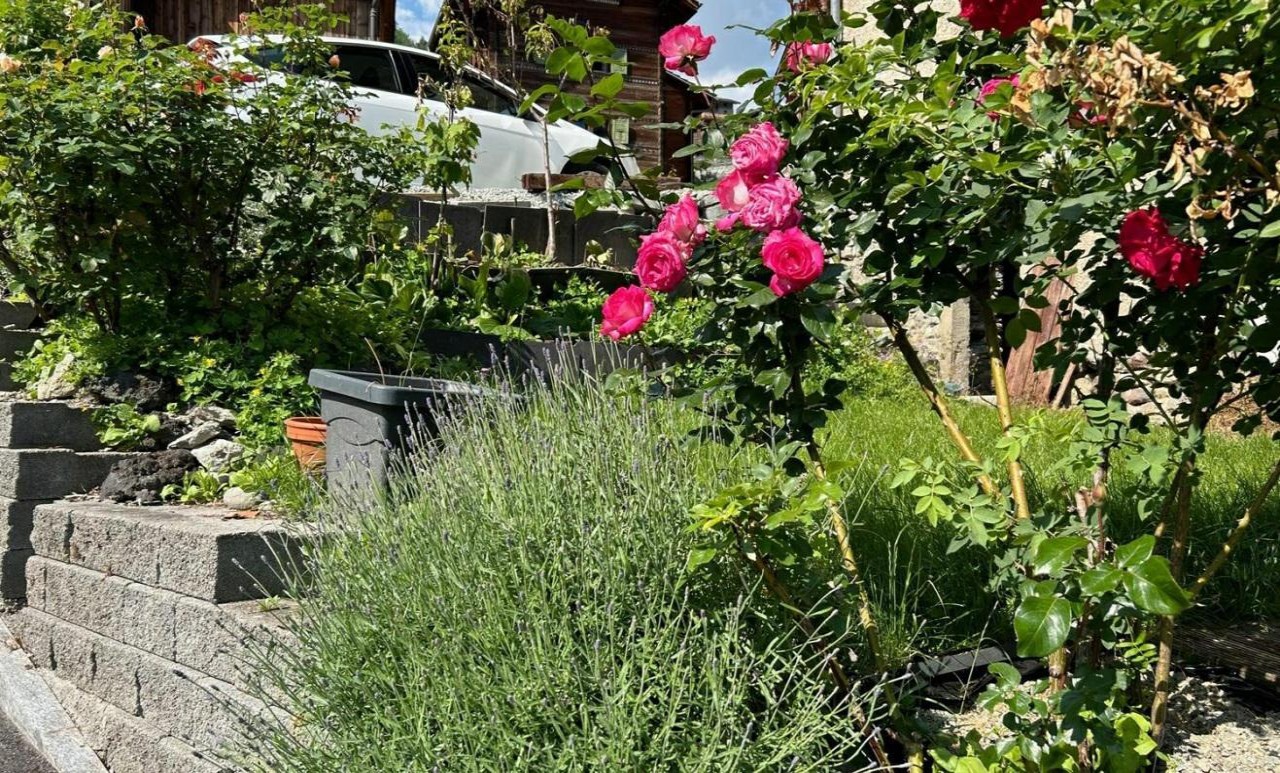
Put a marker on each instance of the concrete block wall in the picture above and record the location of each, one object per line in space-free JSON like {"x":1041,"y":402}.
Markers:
{"x":142,"y":619}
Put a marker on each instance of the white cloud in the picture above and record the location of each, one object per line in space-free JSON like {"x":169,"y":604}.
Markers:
{"x":417,"y":17}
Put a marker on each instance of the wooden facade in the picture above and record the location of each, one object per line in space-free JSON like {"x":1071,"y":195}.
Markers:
{"x":182,"y":20}
{"x":634,"y":26}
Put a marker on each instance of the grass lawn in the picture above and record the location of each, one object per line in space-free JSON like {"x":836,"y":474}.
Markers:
{"x":946,"y":603}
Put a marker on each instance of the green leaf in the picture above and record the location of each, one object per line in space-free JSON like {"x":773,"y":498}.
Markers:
{"x":762,"y":297}
{"x":698,"y":557}
{"x":1100,"y":580}
{"x":776,"y":381}
{"x":1152,"y":588}
{"x":1005,"y":674}
{"x":1271,"y":231}
{"x":1041,"y":625}
{"x":1055,"y":553}
{"x":820,"y":322}
{"x":609,"y":86}
{"x":1135,"y":552}
{"x":897,"y":192}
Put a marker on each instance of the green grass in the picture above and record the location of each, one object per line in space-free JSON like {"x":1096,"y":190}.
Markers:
{"x":947,"y":605}
{"x":521,"y":603}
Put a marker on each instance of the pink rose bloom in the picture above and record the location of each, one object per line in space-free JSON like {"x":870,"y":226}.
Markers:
{"x":683,"y":221}
{"x":683,"y":47}
{"x":662,"y":261}
{"x":803,"y":55}
{"x":760,"y":151}
{"x":795,"y":259}
{"x":1007,"y":16}
{"x":625,"y":312}
{"x":771,"y":206}
{"x":733,"y":193}
{"x":1155,"y":253}
{"x":990,"y":88}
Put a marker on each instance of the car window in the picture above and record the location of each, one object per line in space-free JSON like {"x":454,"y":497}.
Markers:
{"x":487,"y":97}
{"x":368,"y":68}
{"x":427,"y":72}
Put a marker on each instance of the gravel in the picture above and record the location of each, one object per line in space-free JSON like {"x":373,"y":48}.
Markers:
{"x":1209,"y":730}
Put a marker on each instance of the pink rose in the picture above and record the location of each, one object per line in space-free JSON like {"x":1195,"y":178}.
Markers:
{"x":662,"y":261}
{"x":683,"y":47}
{"x":1155,"y":253}
{"x":802,"y":55}
{"x":771,"y":206}
{"x":990,"y":87}
{"x":760,"y":151}
{"x":1085,"y":116}
{"x":683,"y":221}
{"x":1007,"y":16}
{"x":795,"y":259}
{"x":625,"y":312}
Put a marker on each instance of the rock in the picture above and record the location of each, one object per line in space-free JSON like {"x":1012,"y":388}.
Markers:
{"x":57,"y":384}
{"x":141,"y":478}
{"x":218,"y":455}
{"x":171,"y":428}
{"x":145,"y":393}
{"x":206,"y":413}
{"x":237,"y":498}
{"x":202,"y":435}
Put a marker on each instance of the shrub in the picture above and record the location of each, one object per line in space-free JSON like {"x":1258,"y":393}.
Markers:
{"x":519,"y":603}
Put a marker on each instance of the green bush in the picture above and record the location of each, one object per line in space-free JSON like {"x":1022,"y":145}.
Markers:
{"x":520,"y":603}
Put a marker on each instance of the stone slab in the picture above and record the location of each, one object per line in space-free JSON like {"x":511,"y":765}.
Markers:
{"x":15,"y":522}
{"x":215,"y":639}
{"x":16,"y":343}
{"x":196,"y":551}
{"x":7,"y":382}
{"x":206,"y":713}
{"x":30,"y":424}
{"x":17,"y":315}
{"x":33,"y":708}
{"x":51,"y":473}
{"x":124,"y":742}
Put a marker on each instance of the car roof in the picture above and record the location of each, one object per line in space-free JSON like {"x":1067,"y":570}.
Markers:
{"x":223,"y":40}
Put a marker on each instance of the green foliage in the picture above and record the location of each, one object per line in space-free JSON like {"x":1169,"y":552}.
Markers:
{"x":278,"y":391}
{"x":597,"y":651}
{"x":122,"y":428}
{"x":199,"y":487}
{"x":277,"y":476}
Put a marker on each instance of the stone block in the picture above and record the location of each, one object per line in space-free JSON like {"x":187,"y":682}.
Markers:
{"x":126,"y":743}
{"x":16,"y":343}
{"x":17,"y":315}
{"x":214,"y":639}
{"x":203,"y":712}
{"x":25,"y":424}
{"x":15,"y":522}
{"x":196,"y":551}
{"x":51,"y":473}
{"x":7,"y":382}
{"x":468,"y":225}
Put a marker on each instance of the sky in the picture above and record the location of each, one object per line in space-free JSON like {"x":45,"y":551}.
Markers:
{"x":736,"y":50}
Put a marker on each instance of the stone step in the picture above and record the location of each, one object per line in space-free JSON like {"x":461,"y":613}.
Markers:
{"x":27,"y":424}
{"x":17,"y":343}
{"x":7,"y":382}
{"x":51,"y":473}
{"x":202,"y":552}
{"x":125,"y":743}
{"x":13,"y":577}
{"x":15,"y":546}
{"x":209,"y":715}
{"x":215,"y":639}
{"x":17,"y":315}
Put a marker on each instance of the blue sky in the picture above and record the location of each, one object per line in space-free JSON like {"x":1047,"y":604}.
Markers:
{"x":736,"y":49}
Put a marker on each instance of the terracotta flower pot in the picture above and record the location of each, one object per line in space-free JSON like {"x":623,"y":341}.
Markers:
{"x":307,"y":435}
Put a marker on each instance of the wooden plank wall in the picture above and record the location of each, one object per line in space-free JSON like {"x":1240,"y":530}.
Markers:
{"x":182,"y":20}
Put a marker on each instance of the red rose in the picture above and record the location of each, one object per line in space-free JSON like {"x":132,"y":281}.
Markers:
{"x":803,"y":55}
{"x":683,"y":221}
{"x":625,"y":312}
{"x":990,"y":87}
{"x":760,"y":151}
{"x":771,"y":206}
{"x":661,"y":263}
{"x":683,"y":47}
{"x":1007,"y":16}
{"x":1155,"y":253}
{"x":795,"y":259}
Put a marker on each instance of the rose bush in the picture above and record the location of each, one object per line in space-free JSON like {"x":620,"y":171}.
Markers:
{"x":1108,"y":118}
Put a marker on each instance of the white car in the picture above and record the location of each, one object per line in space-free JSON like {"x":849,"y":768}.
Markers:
{"x":386,"y":78}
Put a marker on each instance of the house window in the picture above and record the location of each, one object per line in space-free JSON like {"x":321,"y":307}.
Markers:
{"x":620,"y":132}
{"x":619,"y":64}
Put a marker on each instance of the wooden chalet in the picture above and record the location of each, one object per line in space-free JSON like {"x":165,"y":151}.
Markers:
{"x":182,"y":20}
{"x":634,"y":26}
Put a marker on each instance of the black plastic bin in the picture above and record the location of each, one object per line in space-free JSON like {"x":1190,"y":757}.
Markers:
{"x":371,"y":419}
